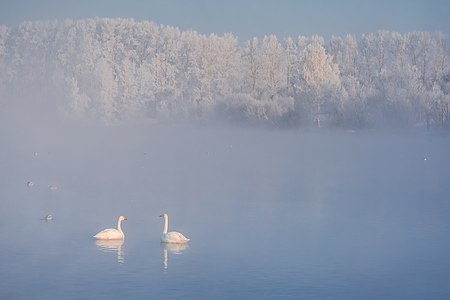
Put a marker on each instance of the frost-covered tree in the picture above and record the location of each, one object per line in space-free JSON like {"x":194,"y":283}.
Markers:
{"x":251,"y":65}
{"x":273,"y":67}
{"x":111,"y":69}
{"x":320,"y":74}
{"x":291,"y":61}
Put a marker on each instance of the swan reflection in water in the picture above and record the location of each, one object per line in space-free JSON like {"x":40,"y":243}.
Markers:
{"x":112,"y":246}
{"x":172,"y":249}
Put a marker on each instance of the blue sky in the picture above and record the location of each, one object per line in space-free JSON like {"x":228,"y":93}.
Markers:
{"x":248,"y":18}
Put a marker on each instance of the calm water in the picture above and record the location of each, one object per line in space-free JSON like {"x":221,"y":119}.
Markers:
{"x":270,"y":214}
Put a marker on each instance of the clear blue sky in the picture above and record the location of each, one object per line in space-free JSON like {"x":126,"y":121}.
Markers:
{"x":248,"y":18}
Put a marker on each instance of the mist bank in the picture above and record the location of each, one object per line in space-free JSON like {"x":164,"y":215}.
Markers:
{"x":118,"y":69}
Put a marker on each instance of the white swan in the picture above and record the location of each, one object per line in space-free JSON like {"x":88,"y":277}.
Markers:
{"x":173,"y":236}
{"x":112,"y":233}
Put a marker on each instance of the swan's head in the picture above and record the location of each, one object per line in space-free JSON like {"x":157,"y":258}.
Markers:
{"x":122,"y":218}
{"x":163,"y":215}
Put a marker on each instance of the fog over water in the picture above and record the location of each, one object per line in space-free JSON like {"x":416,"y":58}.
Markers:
{"x":271,"y":214}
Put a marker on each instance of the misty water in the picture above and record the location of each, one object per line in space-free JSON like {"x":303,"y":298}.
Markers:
{"x":271,"y":214}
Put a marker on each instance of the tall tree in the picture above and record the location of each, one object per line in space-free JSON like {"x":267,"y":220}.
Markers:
{"x":320,"y":73}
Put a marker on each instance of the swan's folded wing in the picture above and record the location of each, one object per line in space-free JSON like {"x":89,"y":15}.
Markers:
{"x":176,"y":237}
{"x":108,"y":233}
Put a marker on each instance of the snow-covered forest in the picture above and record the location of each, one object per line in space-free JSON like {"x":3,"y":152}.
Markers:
{"x":114,"y":69}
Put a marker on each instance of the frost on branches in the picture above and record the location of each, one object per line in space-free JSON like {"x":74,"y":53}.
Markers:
{"x":112,"y":69}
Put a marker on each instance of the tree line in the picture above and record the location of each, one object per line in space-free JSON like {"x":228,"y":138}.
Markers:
{"x":113,"y":69}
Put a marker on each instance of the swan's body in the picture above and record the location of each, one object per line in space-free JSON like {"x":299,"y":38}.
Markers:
{"x":173,"y":236}
{"x":112,"y":233}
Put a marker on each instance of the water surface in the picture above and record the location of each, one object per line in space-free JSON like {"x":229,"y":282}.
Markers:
{"x":270,"y":214}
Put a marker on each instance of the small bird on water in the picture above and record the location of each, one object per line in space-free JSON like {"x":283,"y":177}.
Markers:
{"x":48,"y":218}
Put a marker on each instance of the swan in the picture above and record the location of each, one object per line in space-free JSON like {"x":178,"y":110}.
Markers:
{"x":173,"y":236}
{"x":112,"y":233}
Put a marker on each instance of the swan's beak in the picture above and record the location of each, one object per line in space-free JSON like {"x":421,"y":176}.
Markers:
{"x":125,"y":219}
{"x":161,"y":216}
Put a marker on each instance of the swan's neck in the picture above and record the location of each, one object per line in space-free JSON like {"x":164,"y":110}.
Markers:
{"x":166,"y":224}
{"x":119,"y":227}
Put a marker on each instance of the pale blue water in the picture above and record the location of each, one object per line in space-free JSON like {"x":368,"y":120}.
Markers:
{"x":270,"y":214}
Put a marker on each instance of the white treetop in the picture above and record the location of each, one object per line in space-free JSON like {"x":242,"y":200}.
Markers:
{"x":111,"y":69}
